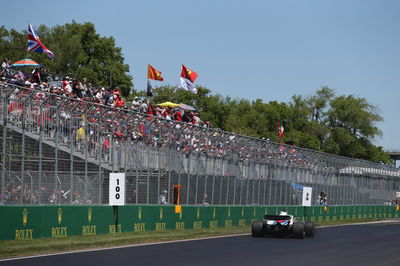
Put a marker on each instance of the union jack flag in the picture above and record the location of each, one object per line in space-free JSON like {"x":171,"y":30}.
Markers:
{"x":34,"y":43}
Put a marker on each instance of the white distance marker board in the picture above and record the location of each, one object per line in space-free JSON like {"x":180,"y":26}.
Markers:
{"x":307,"y":192}
{"x":117,"y":189}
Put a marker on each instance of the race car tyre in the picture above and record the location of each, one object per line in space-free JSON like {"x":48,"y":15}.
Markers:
{"x":298,"y":230}
{"x":309,"y":229}
{"x":257,"y":229}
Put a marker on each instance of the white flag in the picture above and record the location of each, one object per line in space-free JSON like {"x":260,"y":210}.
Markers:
{"x":187,"y":86}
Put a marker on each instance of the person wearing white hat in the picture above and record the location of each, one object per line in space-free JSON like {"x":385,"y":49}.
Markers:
{"x":135,"y":104}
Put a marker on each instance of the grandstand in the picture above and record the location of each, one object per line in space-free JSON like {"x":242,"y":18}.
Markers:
{"x":60,"y":150}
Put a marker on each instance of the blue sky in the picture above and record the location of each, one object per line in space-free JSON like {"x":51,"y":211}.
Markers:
{"x":250,"y":49}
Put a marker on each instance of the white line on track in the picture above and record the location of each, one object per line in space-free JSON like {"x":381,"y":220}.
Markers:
{"x":374,"y":222}
{"x":172,"y":241}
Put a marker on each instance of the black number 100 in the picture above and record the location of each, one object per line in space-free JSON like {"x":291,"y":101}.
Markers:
{"x":117,"y":189}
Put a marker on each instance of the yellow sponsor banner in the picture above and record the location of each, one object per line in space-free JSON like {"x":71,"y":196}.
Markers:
{"x":59,"y":232}
{"x":114,"y":229}
{"x":88,"y":230}
{"x":197,"y":225}
{"x":179,"y":225}
{"x":213,"y":224}
{"x":228,"y":223}
{"x":139,"y":227}
{"x":24,"y":234}
{"x":161,"y":226}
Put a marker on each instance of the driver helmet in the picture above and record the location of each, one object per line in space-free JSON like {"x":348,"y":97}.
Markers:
{"x":283,"y":213}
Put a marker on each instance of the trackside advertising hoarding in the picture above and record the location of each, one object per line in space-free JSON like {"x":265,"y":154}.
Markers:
{"x":32,"y":222}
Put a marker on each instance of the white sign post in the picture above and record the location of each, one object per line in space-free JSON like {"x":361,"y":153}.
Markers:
{"x":397,"y":194}
{"x":117,"y":189}
{"x":307,"y":193}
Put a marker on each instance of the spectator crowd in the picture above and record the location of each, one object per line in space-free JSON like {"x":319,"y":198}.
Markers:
{"x":99,"y":118}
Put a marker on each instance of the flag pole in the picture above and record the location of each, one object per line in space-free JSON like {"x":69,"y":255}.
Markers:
{"x":28,"y":39}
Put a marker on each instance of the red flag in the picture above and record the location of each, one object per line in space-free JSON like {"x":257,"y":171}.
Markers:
{"x":280,"y":130}
{"x":153,"y":73}
{"x":188,"y":74}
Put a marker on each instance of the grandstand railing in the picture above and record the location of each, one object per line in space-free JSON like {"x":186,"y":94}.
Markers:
{"x":60,"y":150}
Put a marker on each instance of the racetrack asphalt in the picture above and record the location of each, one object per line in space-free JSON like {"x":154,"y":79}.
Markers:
{"x":366,"y":244}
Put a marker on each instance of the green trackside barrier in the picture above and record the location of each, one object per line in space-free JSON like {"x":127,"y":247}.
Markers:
{"x":32,"y":222}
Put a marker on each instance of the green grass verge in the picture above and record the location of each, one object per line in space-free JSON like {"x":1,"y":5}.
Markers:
{"x":13,"y":248}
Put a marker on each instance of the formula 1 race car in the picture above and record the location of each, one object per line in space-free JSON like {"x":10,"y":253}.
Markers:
{"x":282,"y":225}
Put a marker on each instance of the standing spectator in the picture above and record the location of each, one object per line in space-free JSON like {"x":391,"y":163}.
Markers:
{"x":77,"y":89}
{"x":196,"y":119}
{"x":135,"y":104}
{"x":67,"y":87}
{"x":90,"y":91}
{"x":186,"y":117}
{"x":159,"y":111}
{"x":150,"y":110}
{"x":178,"y":115}
{"x":143,"y":107}
{"x":106,"y":146}
{"x":36,"y":76}
{"x":64,"y":82}
{"x":163,"y":197}
{"x":165,"y":112}
{"x":323,"y":199}
{"x":108,"y":97}
{"x":80,"y":137}
{"x":6,"y":67}
{"x":83,"y":88}
{"x":119,"y":102}
{"x":99,"y":95}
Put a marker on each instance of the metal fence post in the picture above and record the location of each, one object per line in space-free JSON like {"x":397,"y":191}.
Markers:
{"x":227,"y":190}
{"x":234,"y":190}
{"x":196,"y":188}
{"x":3,"y":166}
{"x":213,"y":190}
{"x":188,"y":189}
{"x":71,"y":156}
{"x":40,"y":152}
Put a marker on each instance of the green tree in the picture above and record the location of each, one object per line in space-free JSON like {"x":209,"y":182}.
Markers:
{"x":319,"y":102}
{"x":352,"y":124}
{"x":12,"y":44}
{"x":79,"y":52}
{"x":356,"y":115}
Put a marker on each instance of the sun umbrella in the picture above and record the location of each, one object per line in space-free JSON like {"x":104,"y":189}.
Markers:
{"x":168,"y":104}
{"x":26,"y":63}
{"x":186,"y":107}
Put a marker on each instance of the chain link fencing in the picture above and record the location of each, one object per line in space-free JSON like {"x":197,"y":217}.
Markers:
{"x":60,"y":150}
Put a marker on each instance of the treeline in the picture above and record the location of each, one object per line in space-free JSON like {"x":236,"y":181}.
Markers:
{"x":342,"y":125}
{"x":79,"y":52}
